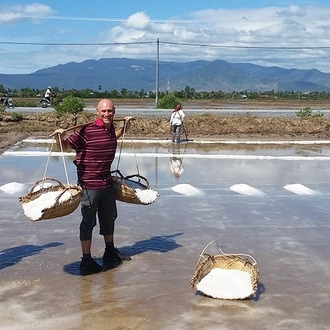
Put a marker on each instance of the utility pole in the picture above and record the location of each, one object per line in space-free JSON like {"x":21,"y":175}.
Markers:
{"x":157,"y":73}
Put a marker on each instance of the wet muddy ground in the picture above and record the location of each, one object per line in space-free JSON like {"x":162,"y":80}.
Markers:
{"x":242,"y":200}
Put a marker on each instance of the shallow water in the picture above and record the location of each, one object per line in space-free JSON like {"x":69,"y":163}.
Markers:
{"x":268,"y":201}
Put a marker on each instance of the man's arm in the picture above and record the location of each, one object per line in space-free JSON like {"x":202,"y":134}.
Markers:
{"x":121,"y":131}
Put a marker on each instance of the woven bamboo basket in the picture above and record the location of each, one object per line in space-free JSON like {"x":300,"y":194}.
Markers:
{"x":126,"y":186}
{"x":59,"y":208}
{"x":242,"y":262}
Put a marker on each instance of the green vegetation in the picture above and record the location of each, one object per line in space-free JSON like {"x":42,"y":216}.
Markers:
{"x":307,"y":113}
{"x":69,"y":105}
{"x":26,"y":103}
{"x":16,"y":117}
{"x":188,"y":93}
{"x":169,"y":101}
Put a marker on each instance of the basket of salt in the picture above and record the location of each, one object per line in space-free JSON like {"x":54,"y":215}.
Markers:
{"x":47,"y":200}
{"x":226,"y":276}
{"x":134,"y":189}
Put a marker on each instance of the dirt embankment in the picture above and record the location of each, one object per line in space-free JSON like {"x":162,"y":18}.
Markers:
{"x":196,"y":126}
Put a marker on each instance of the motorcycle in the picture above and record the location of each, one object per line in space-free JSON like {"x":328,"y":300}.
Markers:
{"x":7,"y":101}
{"x":45,"y":103}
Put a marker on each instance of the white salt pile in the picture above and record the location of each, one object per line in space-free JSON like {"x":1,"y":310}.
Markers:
{"x":34,"y":209}
{"x":12,"y":187}
{"x":186,"y":189}
{"x":226,"y":284}
{"x":299,"y":189}
{"x":245,"y":189}
{"x":146,"y":196}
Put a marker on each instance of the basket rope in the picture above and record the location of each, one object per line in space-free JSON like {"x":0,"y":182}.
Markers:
{"x":121,"y":147}
{"x":62,"y":156}
{"x":202,"y":254}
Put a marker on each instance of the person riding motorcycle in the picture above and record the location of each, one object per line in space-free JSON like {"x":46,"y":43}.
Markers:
{"x":8,"y":102}
{"x":45,"y":101}
{"x":49,"y":93}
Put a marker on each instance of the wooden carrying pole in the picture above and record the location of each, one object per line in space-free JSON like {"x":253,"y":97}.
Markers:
{"x":85,"y":124}
{"x":82,"y":125}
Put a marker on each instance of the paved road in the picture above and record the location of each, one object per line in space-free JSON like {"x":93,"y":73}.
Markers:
{"x":165,"y":113}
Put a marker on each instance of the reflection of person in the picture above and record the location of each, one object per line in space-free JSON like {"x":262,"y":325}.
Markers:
{"x":176,"y":122}
{"x":176,"y":166}
{"x":95,"y":146}
{"x":176,"y":162}
{"x":48,"y":93}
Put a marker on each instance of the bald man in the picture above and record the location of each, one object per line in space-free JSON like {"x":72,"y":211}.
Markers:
{"x":95,"y":145}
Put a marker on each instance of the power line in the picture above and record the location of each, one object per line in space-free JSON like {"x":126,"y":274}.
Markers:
{"x":73,"y":44}
{"x":160,"y":42}
{"x":243,"y":47}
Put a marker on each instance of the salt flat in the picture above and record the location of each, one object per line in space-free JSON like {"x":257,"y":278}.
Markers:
{"x":268,"y":201}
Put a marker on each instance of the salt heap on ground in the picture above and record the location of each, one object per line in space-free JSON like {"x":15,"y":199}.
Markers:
{"x":12,"y":187}
{"x":186,"y":189}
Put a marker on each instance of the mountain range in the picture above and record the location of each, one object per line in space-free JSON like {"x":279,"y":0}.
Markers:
{"x":136,"y":74}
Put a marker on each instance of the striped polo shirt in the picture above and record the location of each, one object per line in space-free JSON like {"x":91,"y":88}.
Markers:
{"x":95,"y":148}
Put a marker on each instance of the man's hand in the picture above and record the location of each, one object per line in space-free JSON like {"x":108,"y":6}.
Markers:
{"x":58,"y":132}
{"x":127,"y":122}
{"x":60,"y":136}
{"x":128,"y":118}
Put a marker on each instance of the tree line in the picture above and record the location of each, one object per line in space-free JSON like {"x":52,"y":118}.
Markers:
{"x":184,"y":94}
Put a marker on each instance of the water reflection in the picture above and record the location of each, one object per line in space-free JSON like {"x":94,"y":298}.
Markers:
{"x":212,"y":167}
{"x":101,"y":305}
{"x":284,"y":231}
{"x":176,"y":162}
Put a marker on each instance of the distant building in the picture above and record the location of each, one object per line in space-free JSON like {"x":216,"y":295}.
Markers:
{"x":263,"y":96}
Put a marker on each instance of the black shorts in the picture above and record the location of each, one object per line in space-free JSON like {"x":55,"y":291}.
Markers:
{"x":100,"y":203}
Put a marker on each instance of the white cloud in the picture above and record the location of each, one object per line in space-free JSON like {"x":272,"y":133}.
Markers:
{"x":291,"y":11}
{"x":37,"y":9}
{"x":235,"y":35}
{"x":162,"y":28}
{"x":138,"y":21}
{"x":13,"y":13}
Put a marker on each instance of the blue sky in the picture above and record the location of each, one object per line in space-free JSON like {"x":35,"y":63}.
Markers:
{"x":37,"y":35}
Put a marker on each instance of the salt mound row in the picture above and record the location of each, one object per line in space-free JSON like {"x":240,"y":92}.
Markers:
{"x":186,"y":189}
{"x":245,"y":189}
{"x":12,"y":187}
{"x":299,"y":189}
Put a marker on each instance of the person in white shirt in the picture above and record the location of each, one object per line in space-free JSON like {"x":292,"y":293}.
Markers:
{"x":176,"y":123}
{"x":48,"y":93}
